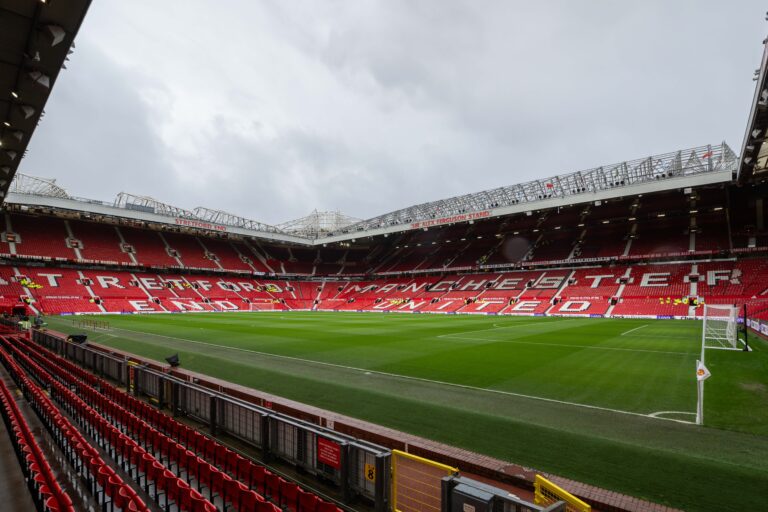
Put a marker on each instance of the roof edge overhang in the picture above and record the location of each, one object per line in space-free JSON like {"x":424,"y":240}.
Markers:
{"x":667,"y":184}
{"x":74,"y":205}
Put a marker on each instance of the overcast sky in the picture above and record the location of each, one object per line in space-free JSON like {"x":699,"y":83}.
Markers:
{"x":269,"y":109}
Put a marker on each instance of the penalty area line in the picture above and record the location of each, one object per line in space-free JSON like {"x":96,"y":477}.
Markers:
{"x":564,"y":345}
{"x":408,"y":377}
{"x":633,"y":330}
{"x":497,"y":326}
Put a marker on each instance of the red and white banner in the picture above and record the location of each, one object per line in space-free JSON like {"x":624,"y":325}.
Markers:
{"x":450,"y":220}
{"x":199,"y":224}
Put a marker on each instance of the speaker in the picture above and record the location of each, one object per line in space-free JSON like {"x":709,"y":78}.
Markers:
{"x":173,"y":360}
{"x":77,"y":338}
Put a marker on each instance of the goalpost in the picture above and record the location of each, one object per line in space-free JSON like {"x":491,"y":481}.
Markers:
{"x":720,"y":328}
{"x":261,"y":306}
{"x":720,"y":331}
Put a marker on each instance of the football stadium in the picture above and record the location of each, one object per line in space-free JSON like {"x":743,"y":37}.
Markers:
{"x":590,"y":340}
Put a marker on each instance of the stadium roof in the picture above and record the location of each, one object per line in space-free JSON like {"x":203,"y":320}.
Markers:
{"x":686,"y":168}
{"x":35,"y":39}
{"x":703,"y":165}
{"x":318,"y":224}
{"x":754,"y":150}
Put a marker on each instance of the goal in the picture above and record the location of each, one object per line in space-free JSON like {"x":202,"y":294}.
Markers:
{"x":721,"y":328}
{"x":261,"y":306}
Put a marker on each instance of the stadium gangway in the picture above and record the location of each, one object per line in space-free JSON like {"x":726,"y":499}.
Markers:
{"x":279,"y":436}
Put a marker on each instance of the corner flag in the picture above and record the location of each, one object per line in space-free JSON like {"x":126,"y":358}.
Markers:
{"x":702,"y":373}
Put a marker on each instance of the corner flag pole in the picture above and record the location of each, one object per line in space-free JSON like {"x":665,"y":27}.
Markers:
{"x":700,"y":403}
{"x":702,"y":374}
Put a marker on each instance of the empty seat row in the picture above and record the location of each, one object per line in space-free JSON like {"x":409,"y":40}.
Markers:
{"x":121,"y":448}
{"x":103,"y":483}
{"x":253,"y":475}
{"x":42,"y":483}
{"x":194,"y":455}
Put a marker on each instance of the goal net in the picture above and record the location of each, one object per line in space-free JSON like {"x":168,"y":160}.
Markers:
{"x":720,"y":329}
{"x":262,"y":306}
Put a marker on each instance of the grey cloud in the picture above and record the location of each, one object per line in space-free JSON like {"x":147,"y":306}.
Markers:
{"x":277,"y":108}
{"x":98,"y":134}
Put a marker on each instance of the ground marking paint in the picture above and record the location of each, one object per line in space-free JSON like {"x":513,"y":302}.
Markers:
{"x":590,"y":347}
{"x":633,"y":330}
{"x":508,"y":326}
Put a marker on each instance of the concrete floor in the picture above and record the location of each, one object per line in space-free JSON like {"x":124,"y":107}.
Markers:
{"x":14,"y":495}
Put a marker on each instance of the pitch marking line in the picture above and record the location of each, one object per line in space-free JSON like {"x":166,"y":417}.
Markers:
{"x":458,"y":336}
{"x":589,"y":347}
{"x":498,"y":326}
{"x":660,"y":416}
{"x":635,"y":329}
{"x":407,"y":377}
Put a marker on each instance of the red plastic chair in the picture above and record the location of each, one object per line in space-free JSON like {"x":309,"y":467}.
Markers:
{"x":220,"y":458}
{"x":192,"y":465}
{"x":137,"y":505}
{"x":137,"y":453}
{"x":289,"y":495}
{"x":273,"y":487}
{"x":145,"y":466}
{"x":266,"y":506}
{"x":200,"y":504}
{"x":258,"y":477}
{"x":113,"y":487}
{"x":307,"y":501}
{"x":248,"y":499}
{"x":217,"y":483}
{"x":205,"y":472}
{"x":233,"y":462}
{"x":232,"y":492}
{"x":165,"y":482}
{"x":173,"y":490}
{"x":210,"y":449}
{"x":325,"y":506}
{"x":121,"y":497}
{"x":156,"y":476}
{"x":102,"y":478}
{"x":243,"y":471}
{"x":179,"y":455}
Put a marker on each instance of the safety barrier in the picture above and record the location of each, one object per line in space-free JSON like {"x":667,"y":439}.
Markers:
{"x":547,"y":493}
{"x":417,"y":483}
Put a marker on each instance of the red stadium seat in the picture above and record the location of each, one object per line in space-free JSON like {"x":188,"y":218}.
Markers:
{"x":307,"y":501}
{"x":258,"y":478}
{"x":273,"y":487}
{"x":289,"y":495}
{"x":326,"y":506}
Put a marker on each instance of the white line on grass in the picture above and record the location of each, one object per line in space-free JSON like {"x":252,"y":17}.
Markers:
{"x":589,"y":347}
{"x":660,"y":413}
{"x":508,"y":326}
{"x":635,"y":329}
{"x":660,"y":416}
{"x":513,"y":324}
{"x":408,"y":377}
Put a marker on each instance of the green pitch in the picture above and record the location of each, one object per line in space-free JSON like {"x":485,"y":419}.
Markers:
{"x":608,"y":402}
